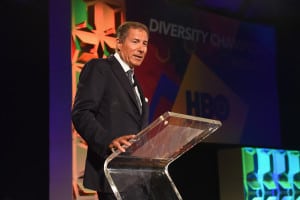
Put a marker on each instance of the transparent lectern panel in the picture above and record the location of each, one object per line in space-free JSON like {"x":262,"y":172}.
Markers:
{"x":143,"y":184}
{"x":171,"y":135}
{"x":144,"y":165}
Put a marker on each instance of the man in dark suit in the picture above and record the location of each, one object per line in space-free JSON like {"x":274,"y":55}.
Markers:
{"x":106,"y":111}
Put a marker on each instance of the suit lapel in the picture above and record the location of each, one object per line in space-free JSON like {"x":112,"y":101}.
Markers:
{"x":122,"y":77}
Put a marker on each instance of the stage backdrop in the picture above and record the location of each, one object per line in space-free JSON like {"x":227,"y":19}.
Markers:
{"x":198,"y":63}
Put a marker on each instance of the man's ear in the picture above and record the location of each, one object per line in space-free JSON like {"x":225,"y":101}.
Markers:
{"x":118,"y":43}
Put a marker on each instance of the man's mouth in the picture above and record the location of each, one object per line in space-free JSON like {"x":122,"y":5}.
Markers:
{"x":138,"y":57}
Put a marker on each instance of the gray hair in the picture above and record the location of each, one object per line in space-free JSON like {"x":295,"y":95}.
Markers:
{"x":122,"y":30}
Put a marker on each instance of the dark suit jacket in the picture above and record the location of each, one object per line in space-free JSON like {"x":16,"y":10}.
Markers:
{"x":104,"y":108}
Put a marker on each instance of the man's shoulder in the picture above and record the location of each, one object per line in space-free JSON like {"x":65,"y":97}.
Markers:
{"x":100,"y":63}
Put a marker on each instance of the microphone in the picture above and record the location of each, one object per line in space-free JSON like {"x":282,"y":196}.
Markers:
{"x":133,"y":84}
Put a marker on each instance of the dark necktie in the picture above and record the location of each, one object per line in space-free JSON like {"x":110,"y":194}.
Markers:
{"x":131,"y":80}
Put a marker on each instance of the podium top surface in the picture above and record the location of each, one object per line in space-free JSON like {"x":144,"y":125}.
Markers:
{"x":167,"y":138}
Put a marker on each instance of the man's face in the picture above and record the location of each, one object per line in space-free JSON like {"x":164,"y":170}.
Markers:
{"x":134,"y":48}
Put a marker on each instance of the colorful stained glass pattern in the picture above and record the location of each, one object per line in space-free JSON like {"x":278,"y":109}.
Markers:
{"x":94,"y":25}
{"x":271,"y":174}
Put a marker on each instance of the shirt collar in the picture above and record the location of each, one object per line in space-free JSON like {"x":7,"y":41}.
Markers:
{"x":123,"y":64}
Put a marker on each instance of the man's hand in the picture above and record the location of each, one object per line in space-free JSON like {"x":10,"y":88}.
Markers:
{"x":121,"y":142}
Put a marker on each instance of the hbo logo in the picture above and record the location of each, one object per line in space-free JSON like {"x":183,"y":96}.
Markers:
{"x":207,"y":106}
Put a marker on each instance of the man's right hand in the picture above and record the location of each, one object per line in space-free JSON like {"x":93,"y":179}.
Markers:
{"x":121,"y":143}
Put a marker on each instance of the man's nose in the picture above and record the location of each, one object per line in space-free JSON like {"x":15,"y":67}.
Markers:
{"x":142,"y":48}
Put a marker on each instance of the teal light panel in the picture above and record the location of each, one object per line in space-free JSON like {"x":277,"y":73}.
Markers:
{"x":271,"y":174}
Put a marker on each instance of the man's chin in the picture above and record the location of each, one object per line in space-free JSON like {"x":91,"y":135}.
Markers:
{"x":136,"y":64}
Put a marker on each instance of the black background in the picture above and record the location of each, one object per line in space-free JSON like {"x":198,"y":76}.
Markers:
{"x":25,"y":98}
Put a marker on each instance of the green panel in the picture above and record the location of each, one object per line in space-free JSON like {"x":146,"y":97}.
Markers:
{"x":79,"y":11}
{"x":77,"y":77}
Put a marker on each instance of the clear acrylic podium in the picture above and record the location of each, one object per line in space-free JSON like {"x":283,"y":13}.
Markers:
{"x":145,"y":163}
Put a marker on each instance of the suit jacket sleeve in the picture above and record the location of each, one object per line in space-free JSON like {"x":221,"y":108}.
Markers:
{"x":90,"y":91}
